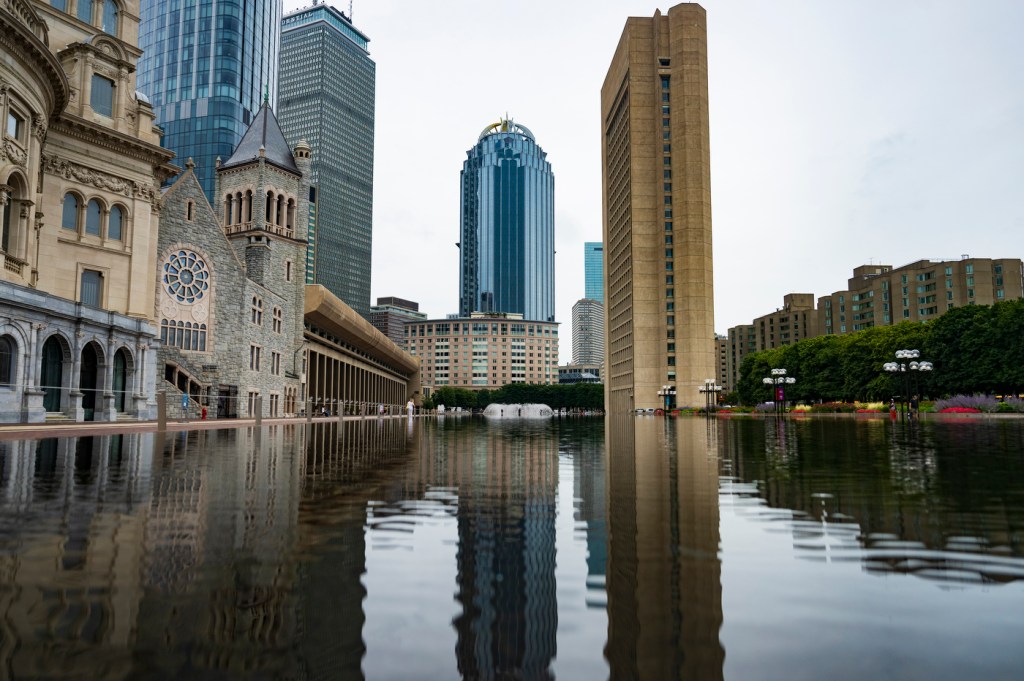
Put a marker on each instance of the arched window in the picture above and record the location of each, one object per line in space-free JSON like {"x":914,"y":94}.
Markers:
{"x":85,"y":11}
{"x":110,"y":17}
{"x":93,"y":215}
{"x":257,"y":310}
{"x":115,"y":223}
{"x":7,"y":357}
{"x":70,"y":217}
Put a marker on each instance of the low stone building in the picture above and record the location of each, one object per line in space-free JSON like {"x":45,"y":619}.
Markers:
{"x":231,"y":285}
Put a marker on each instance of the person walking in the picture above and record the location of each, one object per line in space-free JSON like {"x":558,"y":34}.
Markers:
{"x":409,"y":407}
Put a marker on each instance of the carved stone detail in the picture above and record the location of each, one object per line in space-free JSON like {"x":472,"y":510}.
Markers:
{"x":15,"y":153}
{"x":38,"y":126}
{"x":94,"y":178}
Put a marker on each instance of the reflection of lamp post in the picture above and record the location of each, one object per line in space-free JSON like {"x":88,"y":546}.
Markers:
{"x":667,"y":393}
{"x":903,"y":368}
{"x":778,"y":380}
{"x":709,"y":388}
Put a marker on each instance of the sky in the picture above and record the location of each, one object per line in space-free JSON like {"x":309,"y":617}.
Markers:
{"x":842,"y":134}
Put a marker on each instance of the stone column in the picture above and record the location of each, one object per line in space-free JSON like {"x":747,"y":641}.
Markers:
{"x":34,"y":411}
{"x":140,"y":398}
{"x":105,"y":408}
{"x":74,"y":405}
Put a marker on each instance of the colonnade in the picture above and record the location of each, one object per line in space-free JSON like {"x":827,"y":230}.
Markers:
{"x":334,"y":378}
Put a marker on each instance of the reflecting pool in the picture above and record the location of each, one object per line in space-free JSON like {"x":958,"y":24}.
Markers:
{"x":624,"y":548}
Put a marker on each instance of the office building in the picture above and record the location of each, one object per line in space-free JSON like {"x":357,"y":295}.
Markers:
{"x":79,"y":161}
{"x":507,"y":243}
{"x":593,"y":271}
{"x":390,"y":314}
{"x":794,"y":321}
{"x":657,"y":210}
{"x":484,"y":350}
{"x":326,"y":94}
{"x":207,"y":67}
{"x":878,"y":295}
{"x":587,"y":332}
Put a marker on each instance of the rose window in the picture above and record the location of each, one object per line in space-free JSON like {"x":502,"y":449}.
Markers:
{"x":186,"y":277}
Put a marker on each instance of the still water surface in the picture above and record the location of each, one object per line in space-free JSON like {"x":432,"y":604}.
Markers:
{"x":627,"y":549}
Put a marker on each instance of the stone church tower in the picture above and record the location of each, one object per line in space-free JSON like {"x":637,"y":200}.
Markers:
{"x":232,"y":278}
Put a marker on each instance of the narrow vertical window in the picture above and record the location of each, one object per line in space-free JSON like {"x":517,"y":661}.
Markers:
{"x":93,"y":214}
{"x":69,"y":220}
{"x":110,"y":17}
{"x":85,"y":11}
{"x":114,"y":223}
{"x":92,"y":288}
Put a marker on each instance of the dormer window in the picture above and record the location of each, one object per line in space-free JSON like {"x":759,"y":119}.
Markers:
{"x":102,"y":99}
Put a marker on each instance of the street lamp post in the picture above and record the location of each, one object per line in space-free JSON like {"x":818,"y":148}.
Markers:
{"x":778,"y":380}
{"x":710,"y":388}
{"x":906,"y":369}
{"x":667,"y":393}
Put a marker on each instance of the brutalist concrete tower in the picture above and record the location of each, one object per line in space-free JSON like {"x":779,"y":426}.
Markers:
{"x":656,"y":185}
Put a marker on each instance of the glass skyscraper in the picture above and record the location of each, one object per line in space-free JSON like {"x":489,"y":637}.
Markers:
{"x":207,"y":67}
{"x":593,"y":270}
{"x":326,"y":97}
{"x":508,"y":226}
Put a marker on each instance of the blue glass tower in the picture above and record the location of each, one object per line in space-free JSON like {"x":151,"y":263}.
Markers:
{"x":593,"y":270}
{"x":508,"y":225}
{"x":207,"y":67}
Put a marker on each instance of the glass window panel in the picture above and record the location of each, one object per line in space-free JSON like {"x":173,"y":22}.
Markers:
{"x":85,"y":10}
{"x":114,"y":223}
{"x":70,"y":217}
{"x":102,"y":99}
{"x":93,"y":213}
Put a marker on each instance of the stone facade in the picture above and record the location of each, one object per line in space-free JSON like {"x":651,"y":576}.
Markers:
{"x":231,"y":287}
{"x":80,"y":160}
{"x":656,"y":184}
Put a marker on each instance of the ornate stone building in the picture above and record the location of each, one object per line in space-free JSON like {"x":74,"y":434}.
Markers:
{"x":80,"y":160}
{"x":230,"y":292}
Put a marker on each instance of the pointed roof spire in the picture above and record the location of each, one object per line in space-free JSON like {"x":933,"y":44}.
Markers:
{"x":264,"y":135}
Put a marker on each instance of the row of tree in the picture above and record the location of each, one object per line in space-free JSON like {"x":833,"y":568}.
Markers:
{"x":572,"y":396}
{"x":974,"y":349}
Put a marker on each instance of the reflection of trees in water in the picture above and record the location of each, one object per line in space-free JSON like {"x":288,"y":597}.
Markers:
{"x":939,"y":500}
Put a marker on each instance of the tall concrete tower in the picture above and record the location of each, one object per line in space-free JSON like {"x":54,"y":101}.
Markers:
{"x":656,"y":186}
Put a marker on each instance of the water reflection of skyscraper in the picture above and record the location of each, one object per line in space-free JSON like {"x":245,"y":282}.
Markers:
{"x":506,"y":556}
{"x":664,"y":574}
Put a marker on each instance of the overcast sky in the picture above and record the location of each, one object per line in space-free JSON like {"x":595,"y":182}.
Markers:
{"x":841,"y":134}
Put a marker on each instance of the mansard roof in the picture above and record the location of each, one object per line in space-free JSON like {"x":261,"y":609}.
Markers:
{"x":265,"y":132}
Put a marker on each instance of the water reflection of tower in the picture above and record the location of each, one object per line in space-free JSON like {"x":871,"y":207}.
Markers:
{"x":664,"y":574}
{"x":589,"y":488}
{"x":507,"y":479}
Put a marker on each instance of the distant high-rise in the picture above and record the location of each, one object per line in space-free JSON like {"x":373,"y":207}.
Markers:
{"x":390,"y":314}
{"x":587,"y":332}
{"x":508,"y":226}
{"x":207,"y":67}
{"x":326,"y":95}
{"x":593,"y":270}
{"x":656,"y":184}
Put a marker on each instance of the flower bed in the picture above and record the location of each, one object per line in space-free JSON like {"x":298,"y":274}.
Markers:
{"x":959,"y":410}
